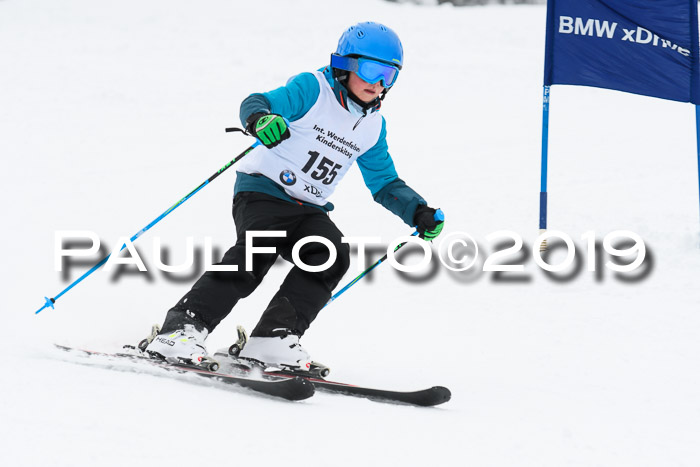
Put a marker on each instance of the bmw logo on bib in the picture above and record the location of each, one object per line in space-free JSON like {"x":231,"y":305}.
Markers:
{"x":287,"y":177}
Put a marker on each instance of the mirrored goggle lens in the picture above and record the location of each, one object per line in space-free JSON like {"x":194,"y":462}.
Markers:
{"x":367,"y":69}
{"x":372,"y":72}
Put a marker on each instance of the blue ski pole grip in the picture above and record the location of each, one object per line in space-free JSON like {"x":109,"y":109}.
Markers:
{"x":439,"y":216}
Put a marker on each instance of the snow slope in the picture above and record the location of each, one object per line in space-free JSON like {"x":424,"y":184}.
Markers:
{"x":111,"y":112}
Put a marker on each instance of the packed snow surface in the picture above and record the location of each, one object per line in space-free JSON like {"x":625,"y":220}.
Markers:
{"x":113,"y":111}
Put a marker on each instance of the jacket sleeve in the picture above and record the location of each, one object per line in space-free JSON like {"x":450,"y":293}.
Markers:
{"x":291,"y":101}
{"x":387,"y":188}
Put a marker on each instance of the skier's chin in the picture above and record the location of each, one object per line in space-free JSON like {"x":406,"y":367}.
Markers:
{"x":368,"y":97}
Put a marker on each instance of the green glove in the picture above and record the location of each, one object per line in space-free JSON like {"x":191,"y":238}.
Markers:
{"x":429,"y":222}
{"x":270,"y":129}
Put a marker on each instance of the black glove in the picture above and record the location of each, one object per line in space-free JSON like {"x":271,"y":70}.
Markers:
{"x":270,"y":129}
{"x":428,"y":221}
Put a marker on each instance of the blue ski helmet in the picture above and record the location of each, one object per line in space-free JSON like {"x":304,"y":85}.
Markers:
{"x":371,"y":50}
{"x":371,"y":40}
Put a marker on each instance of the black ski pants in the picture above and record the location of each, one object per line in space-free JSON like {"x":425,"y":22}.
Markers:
{"x":301,"y":295}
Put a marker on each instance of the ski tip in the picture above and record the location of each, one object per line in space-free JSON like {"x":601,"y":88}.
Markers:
{"x":435,"y":396}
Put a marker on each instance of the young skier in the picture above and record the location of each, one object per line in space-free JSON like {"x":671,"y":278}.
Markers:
{"x":284,"y":185}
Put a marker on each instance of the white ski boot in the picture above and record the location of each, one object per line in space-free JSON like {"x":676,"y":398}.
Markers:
{"x":182,"y":345}
{"x":282,"y":351}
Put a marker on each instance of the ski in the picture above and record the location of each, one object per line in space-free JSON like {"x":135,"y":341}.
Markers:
{"x":292,"y":389}
{"x":435,"y":395}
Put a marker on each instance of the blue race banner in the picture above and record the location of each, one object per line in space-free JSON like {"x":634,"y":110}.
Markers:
{"x":647,"y":47}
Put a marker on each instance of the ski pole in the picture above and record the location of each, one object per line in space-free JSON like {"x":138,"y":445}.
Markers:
{"x":439,"y":216}
{"x":50,"y":301}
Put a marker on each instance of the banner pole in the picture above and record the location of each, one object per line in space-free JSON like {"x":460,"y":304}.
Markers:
{"x":543,"y":167}
{"x":697,"y":135}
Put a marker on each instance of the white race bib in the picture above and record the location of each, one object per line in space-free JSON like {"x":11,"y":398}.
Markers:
{"x":321,"y":148}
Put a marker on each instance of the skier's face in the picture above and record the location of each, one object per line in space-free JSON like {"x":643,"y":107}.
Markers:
{"x":362,"y":89}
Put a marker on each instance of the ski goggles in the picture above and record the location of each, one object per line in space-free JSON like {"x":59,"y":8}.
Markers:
{"x":369,"y":70}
